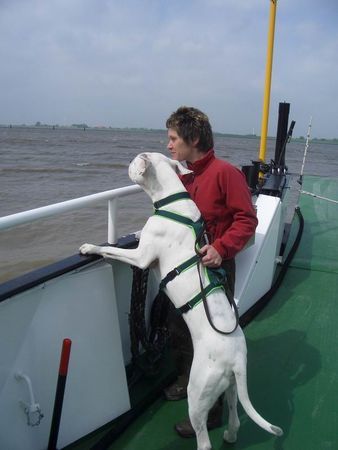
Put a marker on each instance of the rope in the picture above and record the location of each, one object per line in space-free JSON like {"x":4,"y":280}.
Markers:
{"x":318,"y":196}
{"x":147,"y":345}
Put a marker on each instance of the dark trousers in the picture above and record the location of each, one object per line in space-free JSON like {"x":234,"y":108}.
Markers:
{"x":180,"y":339}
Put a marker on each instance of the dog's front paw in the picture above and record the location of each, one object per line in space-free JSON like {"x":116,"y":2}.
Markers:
{"x":138,"y":235}
{"x":88,"y":249}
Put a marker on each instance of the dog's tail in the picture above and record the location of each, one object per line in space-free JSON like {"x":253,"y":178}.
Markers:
{"x":241,"y":381}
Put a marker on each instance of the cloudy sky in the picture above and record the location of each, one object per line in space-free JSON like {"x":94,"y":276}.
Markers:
{"x":132,"y":62}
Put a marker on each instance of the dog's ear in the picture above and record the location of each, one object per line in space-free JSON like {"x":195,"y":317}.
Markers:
{"x":143,"y":163}
{"x":179,"y":168}
{"x":138,"y":167}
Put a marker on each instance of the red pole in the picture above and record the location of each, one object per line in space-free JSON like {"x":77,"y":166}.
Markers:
{"x":60,"y":390}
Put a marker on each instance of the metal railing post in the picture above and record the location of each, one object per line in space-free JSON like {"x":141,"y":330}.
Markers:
{"x":112,"y":231}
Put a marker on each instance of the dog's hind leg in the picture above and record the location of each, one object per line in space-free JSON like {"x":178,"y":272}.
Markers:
{"x":198,"y":414}
{"x":230,"y":435}
{"x":205,"y":386}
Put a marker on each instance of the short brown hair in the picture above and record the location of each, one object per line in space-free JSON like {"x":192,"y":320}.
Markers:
{"x":191,"y":124}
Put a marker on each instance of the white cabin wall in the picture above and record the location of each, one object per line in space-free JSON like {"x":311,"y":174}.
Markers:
{"x":256,"y":265}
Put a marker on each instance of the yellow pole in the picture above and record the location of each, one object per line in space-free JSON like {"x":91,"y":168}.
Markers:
{"x":268,"y":72}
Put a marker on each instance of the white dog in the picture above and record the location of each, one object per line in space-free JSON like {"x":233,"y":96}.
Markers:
{"x":219,"y":363}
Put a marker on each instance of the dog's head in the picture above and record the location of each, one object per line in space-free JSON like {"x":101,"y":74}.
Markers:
{"x":146,"y":164}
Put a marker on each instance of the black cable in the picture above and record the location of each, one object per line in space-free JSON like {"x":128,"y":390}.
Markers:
{"x":264,"y":300}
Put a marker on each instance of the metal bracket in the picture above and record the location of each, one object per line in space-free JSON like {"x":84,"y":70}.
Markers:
{"x":32,"y":409}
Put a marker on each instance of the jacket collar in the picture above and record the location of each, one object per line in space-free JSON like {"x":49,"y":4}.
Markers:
{"x":198,"y":166}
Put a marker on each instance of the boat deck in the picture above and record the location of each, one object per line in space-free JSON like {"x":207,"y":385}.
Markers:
{"x":292,"y":352}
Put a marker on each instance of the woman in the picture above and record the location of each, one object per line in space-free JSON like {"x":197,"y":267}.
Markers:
{"x":220,"y":191}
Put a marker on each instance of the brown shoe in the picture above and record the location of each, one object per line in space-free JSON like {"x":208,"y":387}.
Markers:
{"x":185,"y":429}
{"x":176,"y":391}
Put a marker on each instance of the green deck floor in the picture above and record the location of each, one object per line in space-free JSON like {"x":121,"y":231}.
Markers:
{"x":292,"y":352}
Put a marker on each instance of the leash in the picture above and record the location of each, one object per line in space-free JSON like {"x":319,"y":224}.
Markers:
{"x":204,"y":293}
{"x":218,"y":276}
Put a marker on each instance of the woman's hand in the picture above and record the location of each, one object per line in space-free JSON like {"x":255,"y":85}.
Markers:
{"x":211,"y":257}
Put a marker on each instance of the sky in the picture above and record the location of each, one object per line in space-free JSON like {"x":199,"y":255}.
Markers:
{"x":130,"y":63}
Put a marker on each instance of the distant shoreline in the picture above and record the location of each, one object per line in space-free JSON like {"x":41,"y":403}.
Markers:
{"x":85,"y":127}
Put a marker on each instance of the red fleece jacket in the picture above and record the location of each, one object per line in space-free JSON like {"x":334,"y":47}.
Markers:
{"x":222,"y":195}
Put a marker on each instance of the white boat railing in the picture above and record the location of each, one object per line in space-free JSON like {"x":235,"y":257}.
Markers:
{"x":112,"y":196}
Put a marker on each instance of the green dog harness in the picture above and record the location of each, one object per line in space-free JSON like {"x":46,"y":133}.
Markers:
{"x":216,"y":277}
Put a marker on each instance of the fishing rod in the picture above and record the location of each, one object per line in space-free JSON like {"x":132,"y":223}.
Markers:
{"x":300,"y":180}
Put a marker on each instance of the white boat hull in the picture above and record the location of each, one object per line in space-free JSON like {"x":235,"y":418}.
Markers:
{"x":90,"y":306}
{"x":82,"y":306}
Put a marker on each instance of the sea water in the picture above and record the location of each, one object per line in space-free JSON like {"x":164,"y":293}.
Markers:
{"x":41,"y":166}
